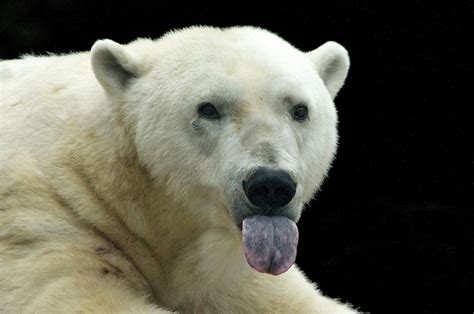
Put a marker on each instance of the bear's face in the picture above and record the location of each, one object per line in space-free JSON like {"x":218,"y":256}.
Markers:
{"x":258,"y":114}
{"x":236,"y":119}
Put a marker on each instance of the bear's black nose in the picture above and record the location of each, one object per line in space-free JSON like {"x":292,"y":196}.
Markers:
{"x":269,"y":189}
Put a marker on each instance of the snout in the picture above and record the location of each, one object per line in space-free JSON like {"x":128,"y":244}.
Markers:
{"x":268,"y":189}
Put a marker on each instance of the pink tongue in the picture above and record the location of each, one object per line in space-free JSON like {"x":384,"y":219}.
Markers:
{"x":270,"y":243}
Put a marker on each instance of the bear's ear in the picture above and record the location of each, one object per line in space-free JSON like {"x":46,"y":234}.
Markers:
{"x":113,"y":66}
{"x":332,"y":63}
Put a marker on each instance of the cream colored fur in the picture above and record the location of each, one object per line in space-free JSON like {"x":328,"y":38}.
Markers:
{"x":111,"y":202}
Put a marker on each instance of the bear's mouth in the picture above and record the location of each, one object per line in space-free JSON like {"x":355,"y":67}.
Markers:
{"x":269,"y":243}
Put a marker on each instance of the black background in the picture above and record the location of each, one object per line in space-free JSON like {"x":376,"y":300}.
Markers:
{"x":392,"y":228}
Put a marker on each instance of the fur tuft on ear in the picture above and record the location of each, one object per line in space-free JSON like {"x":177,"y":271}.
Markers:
{"x":113,"y":66}
{"x":332,"y":63}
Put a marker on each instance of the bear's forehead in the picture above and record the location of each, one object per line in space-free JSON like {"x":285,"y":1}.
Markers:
{"x":238,"y":48}
{"x":236,"y":62}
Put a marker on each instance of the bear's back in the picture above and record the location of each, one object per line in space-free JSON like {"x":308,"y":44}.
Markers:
{"x":41,"y":99}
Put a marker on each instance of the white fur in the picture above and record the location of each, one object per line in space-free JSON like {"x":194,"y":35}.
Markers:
{"x":110,"y":199}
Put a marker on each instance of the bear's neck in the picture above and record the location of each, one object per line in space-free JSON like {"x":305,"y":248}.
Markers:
{"x":132,"y":210}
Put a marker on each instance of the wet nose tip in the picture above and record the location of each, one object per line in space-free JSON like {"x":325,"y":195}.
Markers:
{"x":269,"y":189}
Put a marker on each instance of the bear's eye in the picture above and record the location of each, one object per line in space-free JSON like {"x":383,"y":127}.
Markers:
{"x":208,"y":111}
{"x":300,"y":112}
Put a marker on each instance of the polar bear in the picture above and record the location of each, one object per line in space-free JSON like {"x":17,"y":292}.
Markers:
{"x":165,"y":175}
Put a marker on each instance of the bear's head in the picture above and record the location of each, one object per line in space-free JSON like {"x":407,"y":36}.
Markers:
{"x":233,"y":120}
